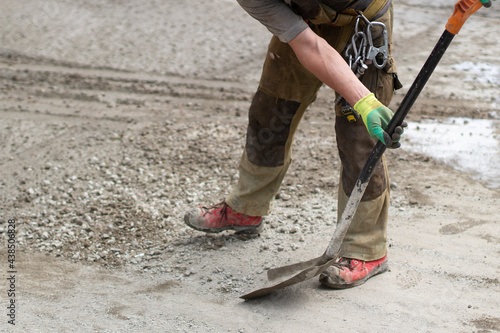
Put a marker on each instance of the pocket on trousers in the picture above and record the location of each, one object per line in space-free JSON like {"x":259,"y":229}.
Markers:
{"x":383,"y":81}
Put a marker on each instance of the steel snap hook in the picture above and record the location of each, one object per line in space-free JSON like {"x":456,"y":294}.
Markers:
{"x":373,"y":52}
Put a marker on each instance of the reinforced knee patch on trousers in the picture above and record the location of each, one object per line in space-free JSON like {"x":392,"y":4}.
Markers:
{"x":268,"y":129}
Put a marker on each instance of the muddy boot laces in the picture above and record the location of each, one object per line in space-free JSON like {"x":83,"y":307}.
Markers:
{"x":223,"y":210}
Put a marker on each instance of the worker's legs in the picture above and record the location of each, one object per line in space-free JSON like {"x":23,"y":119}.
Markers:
{"x":286,"y":89}
{"x":367,"y":234}
{"x":364,"y":249}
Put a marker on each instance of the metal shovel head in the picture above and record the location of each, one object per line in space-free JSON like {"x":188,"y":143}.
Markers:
{"x":285,"y":276}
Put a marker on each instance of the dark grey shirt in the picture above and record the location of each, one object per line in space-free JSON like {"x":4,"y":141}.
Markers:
{"x":280,"y":19}
{"x":276,"y":16}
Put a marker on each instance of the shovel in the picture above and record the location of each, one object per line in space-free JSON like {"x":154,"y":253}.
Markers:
{"x":284,"y":276}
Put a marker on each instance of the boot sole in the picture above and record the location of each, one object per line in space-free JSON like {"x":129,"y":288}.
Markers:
{"x":245,"y":229}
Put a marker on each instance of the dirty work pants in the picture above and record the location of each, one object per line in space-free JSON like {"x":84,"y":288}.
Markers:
{"x":286,"y":89}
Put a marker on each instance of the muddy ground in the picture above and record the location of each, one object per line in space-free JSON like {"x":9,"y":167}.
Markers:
{"x":116,"y":117}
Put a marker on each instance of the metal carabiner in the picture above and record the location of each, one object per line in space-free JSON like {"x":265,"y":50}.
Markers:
{"x":373,"y":52}
{"x":356,"y":50}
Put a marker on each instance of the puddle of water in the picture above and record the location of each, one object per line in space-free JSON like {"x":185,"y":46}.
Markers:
{"x":470,"y":145}
{"x":479,"y":72}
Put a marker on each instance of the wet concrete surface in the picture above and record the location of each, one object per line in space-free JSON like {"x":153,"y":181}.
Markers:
{"x":470,"y":145}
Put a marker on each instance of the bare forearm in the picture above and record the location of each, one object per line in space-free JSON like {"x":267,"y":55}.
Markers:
{"x":326,"y":64}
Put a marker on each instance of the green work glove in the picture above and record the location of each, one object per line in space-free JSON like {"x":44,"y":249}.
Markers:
{"x":376,"y":117}
{"x":486,"y":3}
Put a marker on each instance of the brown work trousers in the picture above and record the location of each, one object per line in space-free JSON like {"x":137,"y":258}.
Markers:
{"x":285,"y":91}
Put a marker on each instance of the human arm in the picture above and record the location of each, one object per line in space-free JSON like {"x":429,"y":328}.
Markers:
{"x":322,"y":60}
{"x":315,"y":54}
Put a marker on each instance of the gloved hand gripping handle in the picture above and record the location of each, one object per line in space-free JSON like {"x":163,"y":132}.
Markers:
{"x":463,"y":10}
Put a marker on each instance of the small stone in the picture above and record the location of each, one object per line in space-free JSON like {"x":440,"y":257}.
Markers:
{"x":285,"y":197}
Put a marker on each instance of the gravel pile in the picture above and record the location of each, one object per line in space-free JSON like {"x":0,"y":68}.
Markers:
{"x":115,"y":196}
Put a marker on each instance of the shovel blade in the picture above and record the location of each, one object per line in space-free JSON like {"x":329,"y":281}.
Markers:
{"x":285,"y":272}
{"x":285,"y":276}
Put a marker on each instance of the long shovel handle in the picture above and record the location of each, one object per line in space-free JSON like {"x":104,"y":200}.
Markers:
{"x":463,"y":10}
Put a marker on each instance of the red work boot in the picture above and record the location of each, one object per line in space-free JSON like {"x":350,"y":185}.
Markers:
{"x":221,"y":217}
{"x":348,"y":273}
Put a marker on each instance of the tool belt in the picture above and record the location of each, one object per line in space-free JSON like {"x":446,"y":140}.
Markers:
{"x":321,"y":11}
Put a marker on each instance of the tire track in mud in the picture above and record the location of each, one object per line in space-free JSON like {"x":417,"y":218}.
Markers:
{"x":23,"y":81}
{"x":72,"y":90}
{"x":96,"y":157}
